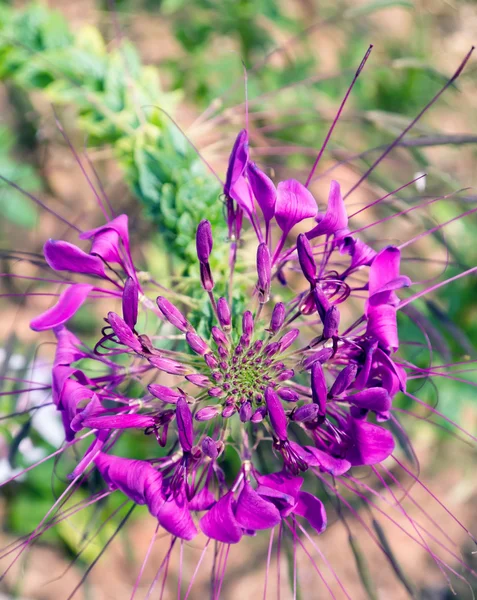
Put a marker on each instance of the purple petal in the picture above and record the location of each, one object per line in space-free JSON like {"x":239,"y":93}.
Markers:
{"x":294,"y":204}
{"x":174,"y":516}
{"x":382,"y":326}
{"x":220,"y":523}
{"x":335,"y":220}
{"x":128,"y":475}
{"x":312,"y":509}
{"x":203,"y":500}
{"x":119,"y":422}
{"x":89,"y":455}
{"x":263,"y":190}
{"x":68,"y":303}
{"x":255,"y":513}
{"x":281,"y":481}
{"x":63,"y":256}
{"x":119,"y":225}
{"x":361,"y":254}
{"x":324,"y":461}
{"x":238,"y":161}
{"x":371,"y":444}
{"x":67,"y":347}
{"x":375,"y":399}
{"x":332,"y":322}
{"x":241,"y":192}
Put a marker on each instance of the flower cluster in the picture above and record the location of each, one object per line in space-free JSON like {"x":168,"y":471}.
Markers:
{"x":283,"y":372}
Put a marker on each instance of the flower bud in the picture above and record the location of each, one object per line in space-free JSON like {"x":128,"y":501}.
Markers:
{"x":278,"y":317}
{"x":223,"y":312}
{"x":320,"y":356}
{"x":130,"y":302}
{"x":288,"y":394}
{"x":306,"y":258}
{"x":206,"y":279}
{"x":306,"y":413}
{"x":209,"y":447}
{"x":318,"y":387}
{"x":228,"y":411}
{"x":332,"y":323}
{"x":164,"y":393}
{"x":203,"y":241}
{"x":264,"y":271}
{"x":276,"y":413}
{"x":219,"y":336}
{"x":207,"y":413}
{"x":172,"y":314}
{"x":245,"y":412}
{"x":287,"y":340}
{"x":196,"y":343}
{"x":259,"y":414}
{"x":284,"y":375}
{"x":247,"y":323}
{"x":344,"y":380}
{"x":198,"y":379}
{"x":184,"y":425}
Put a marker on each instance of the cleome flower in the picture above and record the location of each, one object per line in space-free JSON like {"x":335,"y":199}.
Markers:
{"x":299,"y":397}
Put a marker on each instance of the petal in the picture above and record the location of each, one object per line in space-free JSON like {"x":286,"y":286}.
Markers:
{"x":376,"y":399}
{"x":238,"y":160}
{"x":312,"y":509}
{"x":294,"y":203}
{"x":382,"y":326}
{"x":63,"y":256}
{"x":89,"y":455}
{"x":67,"y":347}
{"x":68,"y":303}
{"x":119,"y":225}
{"x":220,"y":523}
{"x":106,"y":244}
{"x":203,"y":500}
{"x":254,"y":512}
{"x":174,"y":516}
{"x":336,"y":218}
{"x":119,"y":422}
{"x":361,"y":254}
{"x":263,"y":189}
{"x":241,"y":192}
{"x":321,"y":459}
{"x":371,"y":444}
{"x":282,"y":482}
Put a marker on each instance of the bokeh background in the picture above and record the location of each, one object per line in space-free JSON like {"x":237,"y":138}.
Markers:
{"x":130,"y":85}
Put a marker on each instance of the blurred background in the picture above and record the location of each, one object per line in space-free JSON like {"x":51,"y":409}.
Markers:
{"x":122,"y":83}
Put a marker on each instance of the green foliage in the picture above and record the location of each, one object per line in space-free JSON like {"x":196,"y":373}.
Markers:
{"x":14,"y":207}
{"x":119,"y":103}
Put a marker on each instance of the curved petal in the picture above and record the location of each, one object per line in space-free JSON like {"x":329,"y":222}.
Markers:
{"x":324,"y":461}
{"x":238,"y":160}
{"x":335,"y":219}
{"x":254,"y":512}
{"x":376,"y":399}
{"x":220,"y":523}
{"x":175,"y":517}
{"x":311,"y":509}
{"x":203,"y":500}
{"x":371,"y":444}
{"x":294,"y":204}
{"x":68,"y":303}
{"x":63,"y":256}
{"x":382,"y":326}
{"x":263,"y":189}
